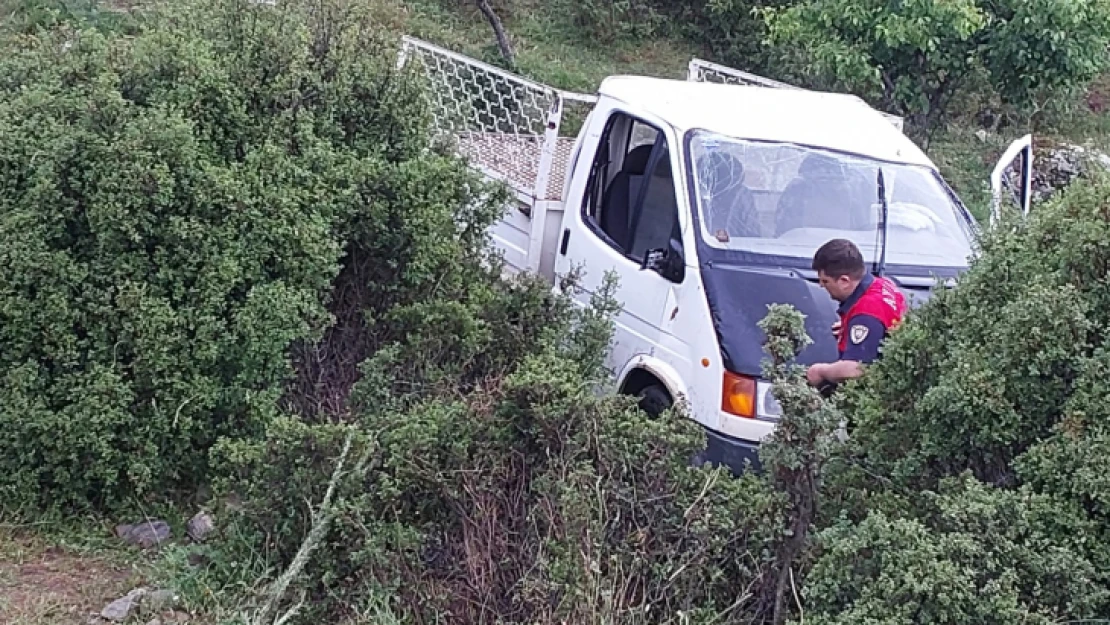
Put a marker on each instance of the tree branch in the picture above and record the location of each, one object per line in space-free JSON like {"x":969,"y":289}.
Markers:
{"x":320,"y":521}
{"x":503,"y":42}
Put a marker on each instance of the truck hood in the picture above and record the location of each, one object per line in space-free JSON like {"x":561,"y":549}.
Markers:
{"x":738,"y":297}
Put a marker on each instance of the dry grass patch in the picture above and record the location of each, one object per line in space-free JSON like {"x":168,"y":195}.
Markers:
{"x":43,"y":582}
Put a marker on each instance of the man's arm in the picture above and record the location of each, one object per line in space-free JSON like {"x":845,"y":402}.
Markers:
{"x":865,"y":335}
{"x":834,"y":372}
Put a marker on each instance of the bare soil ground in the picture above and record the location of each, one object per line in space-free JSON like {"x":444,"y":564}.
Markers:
{"x":43,"y":583}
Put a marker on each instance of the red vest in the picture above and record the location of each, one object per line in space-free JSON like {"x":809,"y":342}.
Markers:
{"x":881,"y":300}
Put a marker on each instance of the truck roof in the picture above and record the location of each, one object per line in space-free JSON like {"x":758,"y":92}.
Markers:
{"x":834,"y":121}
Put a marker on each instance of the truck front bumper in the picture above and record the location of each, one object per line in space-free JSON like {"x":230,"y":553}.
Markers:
{"x":735,"y":454}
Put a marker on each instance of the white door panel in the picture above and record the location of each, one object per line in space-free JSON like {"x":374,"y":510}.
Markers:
{"x":1023,"y":149}
{"x":641,"y":156}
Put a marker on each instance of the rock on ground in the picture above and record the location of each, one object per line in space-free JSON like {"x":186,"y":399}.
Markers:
{"x":200,"y":526}
{"x":1054,"y":168}
{"x":158,"y":601}
{"x":121,"y":609}
{"x":146,"y":534}
{"x":140,"y":602}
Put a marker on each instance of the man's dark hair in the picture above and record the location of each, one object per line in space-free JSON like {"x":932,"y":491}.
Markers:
{"x":839,"y":257}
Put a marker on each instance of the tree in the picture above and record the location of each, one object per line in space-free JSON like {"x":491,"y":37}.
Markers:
{"x":914,"y":56}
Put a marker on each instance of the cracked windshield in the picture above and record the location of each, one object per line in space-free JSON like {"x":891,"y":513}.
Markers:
{"x":783,"y":199}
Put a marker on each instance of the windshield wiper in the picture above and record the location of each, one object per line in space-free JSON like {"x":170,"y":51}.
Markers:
{"x":879,"y":266}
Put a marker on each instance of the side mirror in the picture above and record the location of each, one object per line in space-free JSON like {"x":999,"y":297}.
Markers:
{"x":668,"y":262}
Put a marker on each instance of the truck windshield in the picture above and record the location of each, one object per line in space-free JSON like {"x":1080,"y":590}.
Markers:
{"x":787,"y":200}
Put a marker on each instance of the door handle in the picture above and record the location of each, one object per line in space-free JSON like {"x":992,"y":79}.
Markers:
{"x":566,"y":240}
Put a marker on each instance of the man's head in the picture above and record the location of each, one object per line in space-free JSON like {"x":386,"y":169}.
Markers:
{"x":840,"y":268}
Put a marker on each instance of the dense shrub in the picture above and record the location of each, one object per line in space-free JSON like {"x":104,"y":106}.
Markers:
{"x":970,"y":490}
{"x":176,"y":206}
{"x":975,"y":554}
{"x":1070,"y":461}
{"x":527,"y":499}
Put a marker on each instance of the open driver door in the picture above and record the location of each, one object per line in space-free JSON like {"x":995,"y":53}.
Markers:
{"x":1019,"y":156}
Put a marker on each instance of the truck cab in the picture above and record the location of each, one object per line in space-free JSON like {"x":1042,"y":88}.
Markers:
{"x":708,"y":202}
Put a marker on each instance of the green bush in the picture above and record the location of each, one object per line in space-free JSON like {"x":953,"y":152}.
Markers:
{"x":990,"y":369}
{"x":975,"y":555}
{"x":182,"y":204}
{"x":608,"y":21}
{"x":972,"y":488}
{"x":28,"y":16}
{"x":1069,"y":461}
{"x":526,"y":498}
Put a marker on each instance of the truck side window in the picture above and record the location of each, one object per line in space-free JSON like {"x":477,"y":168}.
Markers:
{"x":634,"y":209}
{"x":657,"y":219}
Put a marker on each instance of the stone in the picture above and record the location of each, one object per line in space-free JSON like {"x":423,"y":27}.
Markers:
{"x":200,"y":526}
{"x":198,"y":559}
{"x":121,"y":609}
{"x":146,"y":534}
{"x":159,"y":601}
{"x":1056,"y":168}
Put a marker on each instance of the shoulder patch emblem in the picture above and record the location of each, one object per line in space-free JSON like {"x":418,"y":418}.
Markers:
{"x":858,"y":333}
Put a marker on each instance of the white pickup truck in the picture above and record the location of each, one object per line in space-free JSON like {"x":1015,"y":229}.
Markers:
{"x":708,"y":201}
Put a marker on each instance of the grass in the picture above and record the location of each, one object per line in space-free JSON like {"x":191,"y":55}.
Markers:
{"x":63,"y":577}
{"x":966,"y":161}
{"x":547,"y":47}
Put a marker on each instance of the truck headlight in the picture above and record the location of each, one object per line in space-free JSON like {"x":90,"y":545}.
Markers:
{"x":767,"y":405}
{"x":745,"y":396}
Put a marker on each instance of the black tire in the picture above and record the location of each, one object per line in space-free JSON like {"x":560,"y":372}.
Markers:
{"x":654,"y":400}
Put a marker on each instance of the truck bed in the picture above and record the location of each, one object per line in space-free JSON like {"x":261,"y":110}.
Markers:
{"x":498,"y":120}
{"x":516,"y":159}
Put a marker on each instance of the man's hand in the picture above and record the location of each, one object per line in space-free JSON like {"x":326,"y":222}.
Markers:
{"x":815,"y":375}
{"x":833,"y":372}
{"x":836,"y":329}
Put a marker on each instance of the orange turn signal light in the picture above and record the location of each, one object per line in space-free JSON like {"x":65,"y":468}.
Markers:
{"x":738,"y":395}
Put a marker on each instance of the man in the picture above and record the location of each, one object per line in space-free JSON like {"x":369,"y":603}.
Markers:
{"x":870,"y":307}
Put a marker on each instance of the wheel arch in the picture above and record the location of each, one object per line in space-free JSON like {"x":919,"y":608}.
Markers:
{"x":644,"y":370}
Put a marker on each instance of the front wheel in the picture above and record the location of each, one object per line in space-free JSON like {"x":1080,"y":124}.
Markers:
{"x":654,"y":400}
